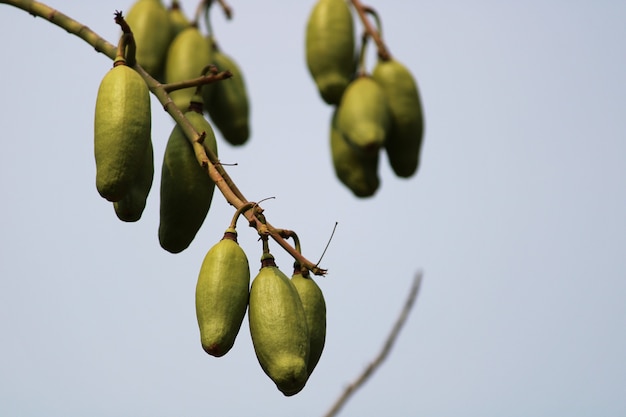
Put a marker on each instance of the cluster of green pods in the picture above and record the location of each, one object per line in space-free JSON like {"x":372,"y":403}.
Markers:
{"x":287,"y":317}
{"x":173,"y":48}
{"x":375,"y":112}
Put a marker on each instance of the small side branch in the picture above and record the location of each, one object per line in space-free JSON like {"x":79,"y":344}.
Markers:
{"x":378,"y":360}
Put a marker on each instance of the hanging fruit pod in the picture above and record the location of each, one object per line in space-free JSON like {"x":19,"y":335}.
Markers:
{"x":222,"y":294}
{"x":356,"y":170}
{"x":178,"y":19}
{"x":330,"y":48}
{"x":150,"y":24}
{"x":404,"y":141}
{"x":187,"y":57}
{"x":227,"y":101}
{"x":131,"y":206}
{"x":278,"y":328}
{"x":315,"y":312}
{"x":363,"y":115}
{"x":186,"y":188}
{"x":122,"y":126}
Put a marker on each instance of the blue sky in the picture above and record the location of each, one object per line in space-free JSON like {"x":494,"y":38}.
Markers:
{"x":516,"y":217}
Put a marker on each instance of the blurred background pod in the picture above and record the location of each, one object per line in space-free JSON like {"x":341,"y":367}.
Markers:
{"x":227,"y":101}
{"x":363,"y":115}
{"x":356,"y":170}
{"x":404,"y":141}
{"x":330,"y":48}
{"x":177,"y":17}
{"x":188,"y":55}
{"x":151,"y":27}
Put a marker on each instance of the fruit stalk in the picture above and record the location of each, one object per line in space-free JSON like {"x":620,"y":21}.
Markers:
{"x":383,"y":51}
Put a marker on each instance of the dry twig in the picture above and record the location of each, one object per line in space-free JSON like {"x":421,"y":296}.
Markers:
{"x":382,"y":355}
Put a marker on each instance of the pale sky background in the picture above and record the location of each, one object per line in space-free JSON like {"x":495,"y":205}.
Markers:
{"x":517,"y":217}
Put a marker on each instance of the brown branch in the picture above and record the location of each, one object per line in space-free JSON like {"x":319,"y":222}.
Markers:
{"x":206,"y":159}
{"x":362,"y":10}
{"x":378,"y":360}
{"x":194,"y":82}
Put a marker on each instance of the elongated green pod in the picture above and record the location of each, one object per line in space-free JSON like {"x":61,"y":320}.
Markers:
{"x":188,"y":55}
{"x":227,"y":102}
{"x":121,"y":130}
{"x":278,"y":328}
{"x":131,"y":206}
{"x":151,"y":27}
{"x":222,"y":294}
{"x":178,"y":19}
{"x":404,"y":141}
{"x":363,"y":115}
{"x":186,"y":188}
{"x":315,"y":311}
{"x":356,"y":170}
{"x":330,"y":54}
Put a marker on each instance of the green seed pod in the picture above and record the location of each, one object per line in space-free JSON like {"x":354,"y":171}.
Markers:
{"x":187,"y":57}
{"x":315,"y":311}
{"x":363,"y":115}
{"x":131,"y":206}
{"x":150,"y":24}
{"x":227,"y":102}
{"x":186,"y":188}
{"x":222,"y":294}
{"x":330,"y":48}
{"x":178,"y":20}
{"x":121,"y":130}
{"x":404,"y":142}
{"x":356,"y":170}
{"x":278,"y":328}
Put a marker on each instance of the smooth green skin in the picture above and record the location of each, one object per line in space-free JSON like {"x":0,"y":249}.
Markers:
{"x":150,"y":23}
{"x":404,"y":142}
{"x":279,"y":330}
{"x":330,"y":50}
{"x":363,"y":115}
{"x":188,"y":55}
{"x":178,"y":20}
{"x":222,"y":296}
{"x":131,"y":206}
{"x":356,"y":170}
{"x":315,"y":311}
{"x":122,"y":126}
{"x":227,"y":103}
{"x":186,"y":188}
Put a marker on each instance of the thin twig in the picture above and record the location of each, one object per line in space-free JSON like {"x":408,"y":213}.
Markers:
{"x":378,"y":360}
{"x":383,"y":51}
